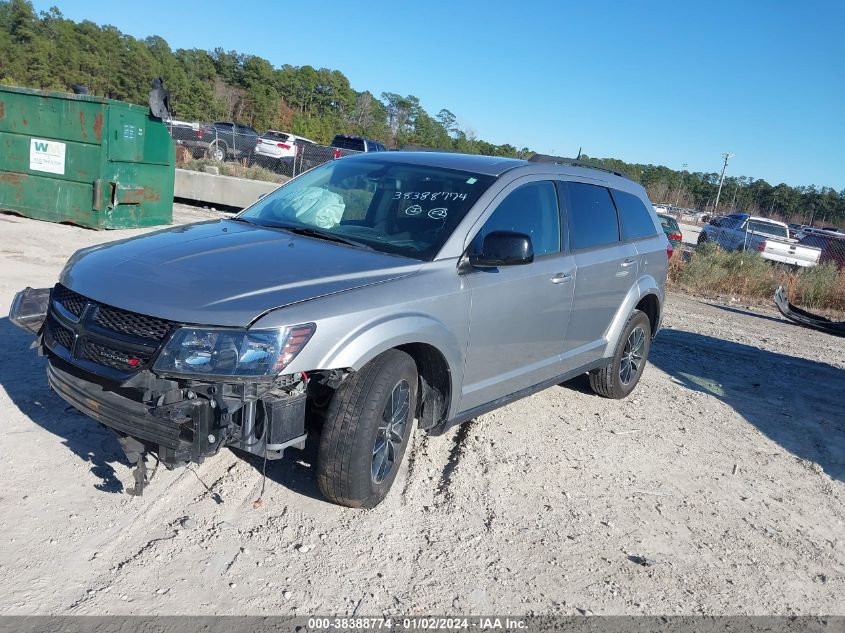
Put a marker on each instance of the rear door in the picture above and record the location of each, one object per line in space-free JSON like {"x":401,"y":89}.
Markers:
{"x":605,"y":270}
{"x":519,"y":314}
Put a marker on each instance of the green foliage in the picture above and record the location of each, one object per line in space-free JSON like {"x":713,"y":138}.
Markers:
{"x":48,"y":51}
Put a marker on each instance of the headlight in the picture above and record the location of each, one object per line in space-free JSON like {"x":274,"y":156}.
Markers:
{"x":232,"y":353}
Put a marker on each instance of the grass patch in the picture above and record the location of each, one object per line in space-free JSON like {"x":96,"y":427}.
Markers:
{"x":711,"y":271}
{"x":238,"y":170}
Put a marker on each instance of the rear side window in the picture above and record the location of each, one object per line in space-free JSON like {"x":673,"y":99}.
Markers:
{"x":592,"y":216}
{"x":668,"y":223}
{"x":766,"y":228}
{"x":634,"y":219}
{"x":346,"y":142}
{"x":531,"y":209}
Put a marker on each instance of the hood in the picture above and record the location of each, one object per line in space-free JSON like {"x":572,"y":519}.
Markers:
{"x":223,"y":272}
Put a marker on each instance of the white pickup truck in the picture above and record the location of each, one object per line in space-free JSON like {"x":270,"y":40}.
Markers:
{"x":743,"y":232}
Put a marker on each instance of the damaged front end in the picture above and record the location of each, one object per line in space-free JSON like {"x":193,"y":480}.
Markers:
{"x":179,"y":391}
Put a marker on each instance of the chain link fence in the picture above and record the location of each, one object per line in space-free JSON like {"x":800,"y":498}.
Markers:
{"x":805,"y":246}
{"x":279,"y":152}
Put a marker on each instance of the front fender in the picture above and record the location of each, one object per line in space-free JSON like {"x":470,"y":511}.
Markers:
{"x":368,"y":340}
{"x":645,"y":285}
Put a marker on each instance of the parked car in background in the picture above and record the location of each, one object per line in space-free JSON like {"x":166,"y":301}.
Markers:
{"x":770,"y":238}
{"x":357,"y":144}
{"x":355,"y":302}
{"x":832,"y":245}
{"x":671,"y":228}
{"x":223,"y":140}
{"x":277,"y":150}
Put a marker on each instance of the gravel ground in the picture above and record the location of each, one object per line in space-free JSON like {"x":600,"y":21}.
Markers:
{"x":716,"y":488}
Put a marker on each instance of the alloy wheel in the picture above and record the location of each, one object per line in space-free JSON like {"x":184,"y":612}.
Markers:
{"x":391,"y":432}
{"x":632,"y":355}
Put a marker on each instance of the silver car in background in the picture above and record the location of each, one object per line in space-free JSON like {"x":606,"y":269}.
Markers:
{"x":369,"y":295}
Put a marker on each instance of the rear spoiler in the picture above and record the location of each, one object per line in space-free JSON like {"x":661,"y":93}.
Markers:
{"x":807,"y":319}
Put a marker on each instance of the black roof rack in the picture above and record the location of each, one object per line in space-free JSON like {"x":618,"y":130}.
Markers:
{"x":560,"y":160}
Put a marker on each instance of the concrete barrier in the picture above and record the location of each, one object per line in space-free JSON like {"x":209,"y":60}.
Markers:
{"x":217,"y":190}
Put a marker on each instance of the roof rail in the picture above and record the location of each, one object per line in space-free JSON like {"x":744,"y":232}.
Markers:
{"x":560,"y":160}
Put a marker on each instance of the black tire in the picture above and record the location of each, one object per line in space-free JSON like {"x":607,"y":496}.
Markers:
{"x":702,"y":238}
{"x":609,"y":381}
{"x":347,"y":468}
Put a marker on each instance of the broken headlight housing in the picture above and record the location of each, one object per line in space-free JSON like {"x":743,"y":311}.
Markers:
{"x":227,"y":353}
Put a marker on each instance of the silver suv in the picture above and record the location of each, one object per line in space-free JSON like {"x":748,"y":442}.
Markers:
{"x":368,"y":295}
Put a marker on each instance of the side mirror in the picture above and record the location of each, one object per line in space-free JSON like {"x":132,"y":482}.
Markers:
{"x":503,"y":248}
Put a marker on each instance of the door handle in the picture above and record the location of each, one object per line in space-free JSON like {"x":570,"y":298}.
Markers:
{"x":561,"y":278}
{"x":628,"y":262}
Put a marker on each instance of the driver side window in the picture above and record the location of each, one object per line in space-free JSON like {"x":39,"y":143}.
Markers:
{"x":531,"y":209}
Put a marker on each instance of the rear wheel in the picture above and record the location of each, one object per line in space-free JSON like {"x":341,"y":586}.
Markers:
{"x":618,"y":379}
{"x":702,"y":238}
{"x":217,"y":151}
{"x":366,"y":431}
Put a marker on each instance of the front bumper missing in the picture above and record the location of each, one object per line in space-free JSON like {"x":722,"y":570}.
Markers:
{"x":187,"y":423}
{"x":179,"y":420}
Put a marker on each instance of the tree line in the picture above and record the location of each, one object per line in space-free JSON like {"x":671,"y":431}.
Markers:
{"x":48,"y":51}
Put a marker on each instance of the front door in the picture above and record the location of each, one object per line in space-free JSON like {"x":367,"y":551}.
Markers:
{"x":519,"y":314}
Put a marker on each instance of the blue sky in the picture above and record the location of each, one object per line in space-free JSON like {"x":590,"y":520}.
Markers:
{"x":645,"y":81}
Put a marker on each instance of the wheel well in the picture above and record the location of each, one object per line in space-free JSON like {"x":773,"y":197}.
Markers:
{"x":651,"y":306}
{"x":435,"y":383}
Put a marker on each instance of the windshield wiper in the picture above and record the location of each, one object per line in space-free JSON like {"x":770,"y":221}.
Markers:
{"x":310,"y":231}
{"x":236,"y":218}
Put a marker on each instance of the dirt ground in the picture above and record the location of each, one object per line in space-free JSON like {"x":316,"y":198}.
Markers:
{"x":718,"y":487}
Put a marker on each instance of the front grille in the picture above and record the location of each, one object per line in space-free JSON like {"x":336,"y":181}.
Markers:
{"x":110,"y":337}
{"x":132,"y":323}
{"x":114,"y":358}
{"x":61,"y":335}
{"x":71,"y":301}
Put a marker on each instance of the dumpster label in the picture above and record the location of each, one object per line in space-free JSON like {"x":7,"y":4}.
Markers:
{"x":47,"y":156}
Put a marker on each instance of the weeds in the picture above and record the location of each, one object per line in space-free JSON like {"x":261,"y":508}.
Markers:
{"x":239,"y":170}
{"x":711,"y":271}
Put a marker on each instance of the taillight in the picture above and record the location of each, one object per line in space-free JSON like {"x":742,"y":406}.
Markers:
{"x":761,"y":246}
{"x":669,"y":250}
{"x":675,"y":236}
{"x":199,"y":133}
{"x":283,"y":145}
{"x":258,"y":141}
{"x":337,"y":154}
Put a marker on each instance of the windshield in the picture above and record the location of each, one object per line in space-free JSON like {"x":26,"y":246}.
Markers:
{"x":766,"y":228}
{"x":395,"y":208}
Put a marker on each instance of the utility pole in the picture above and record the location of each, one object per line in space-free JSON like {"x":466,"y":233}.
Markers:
{"x":727,"y":157}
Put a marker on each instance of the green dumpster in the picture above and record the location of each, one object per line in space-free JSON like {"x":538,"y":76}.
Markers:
{"x":85,"y":160}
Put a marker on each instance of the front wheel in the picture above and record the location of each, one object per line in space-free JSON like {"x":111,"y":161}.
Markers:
{"x":367,"y":428}
{"x":618,"y":379}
